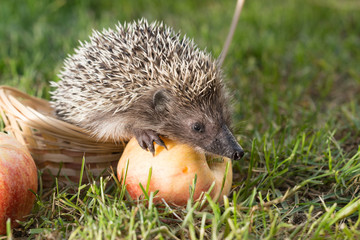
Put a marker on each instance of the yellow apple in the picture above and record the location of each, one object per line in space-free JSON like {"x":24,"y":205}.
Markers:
{"x":173,"y":171}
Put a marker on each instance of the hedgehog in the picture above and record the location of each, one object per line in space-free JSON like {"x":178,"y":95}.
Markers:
{"x":146,"y":81}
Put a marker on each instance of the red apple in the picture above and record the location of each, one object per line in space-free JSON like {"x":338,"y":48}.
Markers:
{"x":18,"y":174}
{"x":173,"y":171}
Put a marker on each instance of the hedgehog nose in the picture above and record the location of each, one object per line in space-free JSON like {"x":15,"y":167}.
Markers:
{"x":238,"y":154}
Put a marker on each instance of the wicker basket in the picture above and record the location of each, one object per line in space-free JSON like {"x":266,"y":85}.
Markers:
{"x":57,"y":147}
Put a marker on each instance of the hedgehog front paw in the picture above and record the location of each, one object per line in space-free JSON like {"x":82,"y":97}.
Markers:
{"x":146,"y":139}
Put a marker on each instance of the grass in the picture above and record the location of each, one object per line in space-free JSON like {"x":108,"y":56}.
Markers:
{"x":293,"y":68}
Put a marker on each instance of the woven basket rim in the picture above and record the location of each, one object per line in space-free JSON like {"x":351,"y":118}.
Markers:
{"x":21,"y":105}
{"x":6,"y":93}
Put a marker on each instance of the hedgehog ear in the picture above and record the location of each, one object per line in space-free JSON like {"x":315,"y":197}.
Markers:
{"x":160,"y":100}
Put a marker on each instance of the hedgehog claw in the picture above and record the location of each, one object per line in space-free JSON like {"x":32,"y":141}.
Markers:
{"x":160,"y":142}
{"x":142,"y":145}
{"x":146,"y":139}
{"x":151,"y":148}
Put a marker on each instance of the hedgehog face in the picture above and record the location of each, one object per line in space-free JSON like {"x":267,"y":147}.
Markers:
{"x":203,"y":125}
{"x":209,"y":134}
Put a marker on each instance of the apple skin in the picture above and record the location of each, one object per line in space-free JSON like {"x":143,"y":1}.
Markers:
{"x":18,"y":174}
{"x":173,"y":171}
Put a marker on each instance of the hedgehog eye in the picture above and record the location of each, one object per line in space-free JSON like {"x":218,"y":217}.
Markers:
{"x":198,"y":127}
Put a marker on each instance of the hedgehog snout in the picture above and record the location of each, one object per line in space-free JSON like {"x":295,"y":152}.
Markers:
{"x":225,"y":144}
{"x":238,"y":154}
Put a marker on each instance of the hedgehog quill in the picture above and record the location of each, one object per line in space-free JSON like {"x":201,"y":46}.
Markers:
{"x":146,"y":80}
